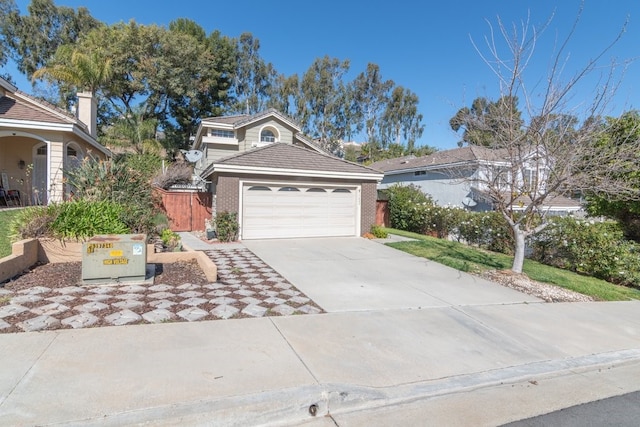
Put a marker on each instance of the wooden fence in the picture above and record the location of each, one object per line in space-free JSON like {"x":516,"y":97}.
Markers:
{"x":382,"y":213}
{"x":186,"y":210}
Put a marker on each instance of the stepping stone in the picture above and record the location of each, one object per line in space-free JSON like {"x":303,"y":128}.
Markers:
{"x":128,"y":296}
{"x":219,"y":293}
{"x":223,"y":301}
{"x":224,"y":311}
{"x":133,"y":288}
{"x":263,"y":287}
{"x":128,"y":304}
{"x":4,"y":325}
{"x":192,"y":314}
{"x":39,"y":323}
{"x":307,"y":309}
{"x":91,"y":306}
{"x":277,"y":279}
{"x":21,"y":299}
{"x":81,"y":320}
{"x":160,"y":288}
{"x":11,"y":310}
{"x":70,"y":290}
{"x":274,"y":300}
{"x":254,"y":310}
{"x":250,"y":300}
{"x":269,"y":293}
{"x":161,"y":295}
{"x":255,"y":280}
{"x":285,"y":310}
{"x":283,"y":285}
{"x":194,"y":301}
{"x":158,"y":315}
{"x":267,"y":271}
{"x":163,"y":303}
{"x":249,"y":273}
{"x":214,"y":286}
{"x":50,"y":309}
{"x":122,"y":317}
{"x":35,"y":290}
{"x":245,"y":292}
{"x":290,"y":292}
{"x":188,"y":286}
{"x":96,"y":297}
{"x":5,"y":292}
{"x":101,"y":289}
{"x":190,"y":294}
{"x":61,"y":298}
{"x":299,"y":300}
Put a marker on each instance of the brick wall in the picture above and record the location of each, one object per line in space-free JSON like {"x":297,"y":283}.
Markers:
{"x":227,"y":194}
{"x":368,"y":207}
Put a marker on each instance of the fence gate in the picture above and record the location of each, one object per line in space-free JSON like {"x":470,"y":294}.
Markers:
{"x":186,"y":210}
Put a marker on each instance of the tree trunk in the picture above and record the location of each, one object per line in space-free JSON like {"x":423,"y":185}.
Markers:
{"x":518,"y":257}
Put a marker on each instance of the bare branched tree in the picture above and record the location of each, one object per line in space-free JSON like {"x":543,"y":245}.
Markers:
{"x":549,"y":149}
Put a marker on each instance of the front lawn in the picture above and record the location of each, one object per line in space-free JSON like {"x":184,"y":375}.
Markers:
{"x":473,"y":260}
{"x":6,"y":216}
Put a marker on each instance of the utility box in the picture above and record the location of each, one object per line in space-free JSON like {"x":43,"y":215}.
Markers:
{"x":114,"y":258}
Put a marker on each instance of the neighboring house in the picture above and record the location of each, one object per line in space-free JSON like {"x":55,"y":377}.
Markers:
{"x":458,"y":177}
{"x":280,"y":184}
{"x":38,"y":141}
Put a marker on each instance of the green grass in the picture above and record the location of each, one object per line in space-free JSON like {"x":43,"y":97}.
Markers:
{"x":5,"y":219}
{"x":474,"y":260}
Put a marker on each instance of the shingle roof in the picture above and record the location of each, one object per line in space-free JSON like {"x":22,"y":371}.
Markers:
{"x":446,"y":157}
{"x":240,"y":120}
{"x":286,"y":156}
{"x":24,"y":107}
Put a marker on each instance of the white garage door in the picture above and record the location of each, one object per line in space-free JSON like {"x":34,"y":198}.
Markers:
{"x":282,"y":211}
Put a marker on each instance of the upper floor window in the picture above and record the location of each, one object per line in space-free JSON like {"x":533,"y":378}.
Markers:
{"x":71,"y":152}
{"x":267,"y":136}
{"x":222,"y":133}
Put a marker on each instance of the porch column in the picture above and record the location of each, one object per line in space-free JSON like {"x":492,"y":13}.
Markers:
{"x":55,"y":159}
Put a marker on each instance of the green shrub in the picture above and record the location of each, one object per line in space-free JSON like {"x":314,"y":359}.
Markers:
{"x":486,"y":230}
{"x":408,"y":206}
{"x":33,"y":222}
{"x":170,"y":239}
{"x":81,"y":219}
{"x":379,"y":232}
{"x":589,"y":247}
{"x":226,"y":226}
{"x":118,"y":182}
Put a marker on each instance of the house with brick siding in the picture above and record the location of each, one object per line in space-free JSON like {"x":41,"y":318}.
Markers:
{"x":279,"y":182}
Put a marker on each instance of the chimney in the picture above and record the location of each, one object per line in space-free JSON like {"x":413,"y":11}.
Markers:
{"x":88,"y":111}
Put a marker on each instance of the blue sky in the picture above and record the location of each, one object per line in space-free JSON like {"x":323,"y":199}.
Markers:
{"x":423,"y":46}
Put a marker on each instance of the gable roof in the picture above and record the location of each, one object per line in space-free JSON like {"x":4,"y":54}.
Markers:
{"x":469,"y":154}
{"x":286,"y":159}
{"x":20,"y":110}
{"x":241,"y":120}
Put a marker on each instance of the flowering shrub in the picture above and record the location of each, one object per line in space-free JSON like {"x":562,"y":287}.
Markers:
{"x":408,"y":206}
{"x":487,"y":230}
{"x":589,"y":247}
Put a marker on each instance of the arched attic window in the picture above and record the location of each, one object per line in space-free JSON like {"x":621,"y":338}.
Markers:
{"x":267,"y":135}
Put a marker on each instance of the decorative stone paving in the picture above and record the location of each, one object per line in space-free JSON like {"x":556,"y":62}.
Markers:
{"x":246,"y":287}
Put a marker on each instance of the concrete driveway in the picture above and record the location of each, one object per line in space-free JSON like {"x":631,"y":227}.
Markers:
{"x":356,"y":274}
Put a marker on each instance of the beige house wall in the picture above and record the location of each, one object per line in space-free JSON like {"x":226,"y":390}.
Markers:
{"x":17,"y":145}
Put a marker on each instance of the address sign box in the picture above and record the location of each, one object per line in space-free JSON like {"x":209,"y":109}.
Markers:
{"x":114,"y":257}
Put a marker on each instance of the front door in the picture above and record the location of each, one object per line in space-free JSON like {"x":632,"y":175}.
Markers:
{"x":39,"y":177}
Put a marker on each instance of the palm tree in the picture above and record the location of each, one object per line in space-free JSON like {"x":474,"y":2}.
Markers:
{"x":85,"y":71}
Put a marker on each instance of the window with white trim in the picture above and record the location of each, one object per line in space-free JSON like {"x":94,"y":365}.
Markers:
{"x":267,"y":136}
{"x":221,"y":133}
